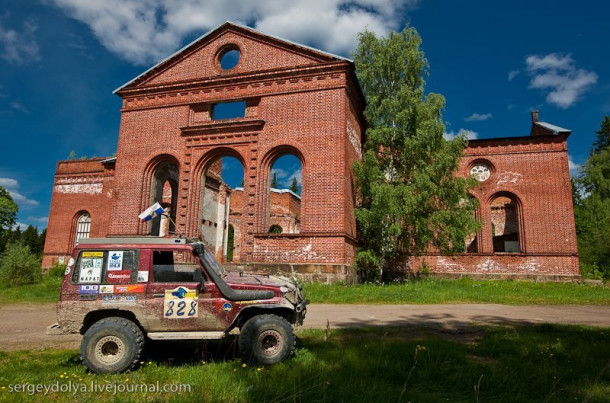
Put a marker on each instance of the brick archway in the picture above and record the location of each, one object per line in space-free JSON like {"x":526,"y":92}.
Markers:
{"x":264,"y":182}
{"x":151,"y":176}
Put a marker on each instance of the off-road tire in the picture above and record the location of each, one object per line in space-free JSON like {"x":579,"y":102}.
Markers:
{"x":112,"y":345}
{"x":267,"y":339}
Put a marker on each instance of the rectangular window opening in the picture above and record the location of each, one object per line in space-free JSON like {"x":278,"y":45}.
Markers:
{"x":229,"y":110}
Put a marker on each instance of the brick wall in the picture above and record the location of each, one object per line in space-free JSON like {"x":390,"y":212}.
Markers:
{"x":79,"y":187}
{"x":302,"y":102}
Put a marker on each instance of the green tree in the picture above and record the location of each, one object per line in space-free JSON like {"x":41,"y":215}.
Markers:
{"x":603,"y":136}
{"x":72,"y":155}
{"x":592,"y":207}
{"x":274,"y":181}
{"x":8,"y":210}
{"x":411,"y":199}
{"x":18,"y":266}
{"x":294,"y":187}
{"x":32,"y":240}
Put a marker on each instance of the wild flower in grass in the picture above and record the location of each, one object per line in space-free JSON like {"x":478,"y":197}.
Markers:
{"x":80,"y":379}
{"x":204,"y":362}
{"x":234,"y":370}
{"x":244,"y":365}
{"x":259,"y":369}
{"x":126,"y":379}
{"x":142,"y":363}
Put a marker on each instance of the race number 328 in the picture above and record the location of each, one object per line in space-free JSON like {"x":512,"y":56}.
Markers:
{"x":180,"y":308}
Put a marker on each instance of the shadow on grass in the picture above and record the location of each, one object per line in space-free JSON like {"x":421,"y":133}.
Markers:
{"x":513,"y":362}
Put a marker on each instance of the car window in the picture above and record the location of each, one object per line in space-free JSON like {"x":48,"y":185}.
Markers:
{"x":174,"y":267}
{"x":106,"y":267}
{"x":121,"y":267}
{"x":89,"y":267}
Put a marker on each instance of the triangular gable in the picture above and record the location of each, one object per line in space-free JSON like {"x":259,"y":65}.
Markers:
{"x":259,"y":52}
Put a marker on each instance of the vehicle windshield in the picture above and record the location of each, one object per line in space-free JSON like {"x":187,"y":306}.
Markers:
{"x":212,"y":262}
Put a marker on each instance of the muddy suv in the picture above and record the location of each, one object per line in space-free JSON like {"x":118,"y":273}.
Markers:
{"x":120,"y":292}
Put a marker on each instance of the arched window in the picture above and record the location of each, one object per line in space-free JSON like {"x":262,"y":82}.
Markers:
{"x":222,"y":207}
{"x":83,"y":227}
{"x":164,"y":190}
{"x":505,"y":224}
{"x":285,"y":194}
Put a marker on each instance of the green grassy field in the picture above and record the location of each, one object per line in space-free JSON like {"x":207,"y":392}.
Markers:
{"x":423,"y":291}
{"x":45,"y":291}
{"x":494,"y":364}
{"x":465,"y":290}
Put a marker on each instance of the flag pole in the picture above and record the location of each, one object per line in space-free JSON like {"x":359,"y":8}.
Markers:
{"x":172,"y":221}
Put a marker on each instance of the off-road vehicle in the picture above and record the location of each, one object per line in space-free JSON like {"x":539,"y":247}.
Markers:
{"x":120,"y":292}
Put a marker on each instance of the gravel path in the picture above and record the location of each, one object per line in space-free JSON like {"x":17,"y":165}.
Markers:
{"x":24,"y":325}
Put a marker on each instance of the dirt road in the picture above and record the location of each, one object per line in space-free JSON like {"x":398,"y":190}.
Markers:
{"x":23,"y":326}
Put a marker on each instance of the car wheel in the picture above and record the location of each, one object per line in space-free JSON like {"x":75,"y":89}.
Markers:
{"x":267,"y":339}
{"x":112,"y":345}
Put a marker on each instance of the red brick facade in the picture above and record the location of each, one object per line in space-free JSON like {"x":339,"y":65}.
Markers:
{"x":306,"y":103}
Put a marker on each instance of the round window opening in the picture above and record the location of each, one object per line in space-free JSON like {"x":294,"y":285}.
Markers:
{"x":229,"y":58}
{"x":480,"y":172}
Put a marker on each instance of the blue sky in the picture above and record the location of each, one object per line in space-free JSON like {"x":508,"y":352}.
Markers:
{"x":494,"y":61}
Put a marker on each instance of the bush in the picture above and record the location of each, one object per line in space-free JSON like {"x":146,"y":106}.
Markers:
{"x":57,"y":270}
{"x":18,"y":266}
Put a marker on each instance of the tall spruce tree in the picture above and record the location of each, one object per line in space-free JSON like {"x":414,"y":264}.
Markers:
{"x":603,"y":136}
{"x":294,"y":187}
{"x":274,"y":183}
{"x":412,"y":201}
{"x":592,"y":210}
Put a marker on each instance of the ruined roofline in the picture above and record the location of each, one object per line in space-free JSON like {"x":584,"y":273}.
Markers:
{"x":212,"y":31}
{"x":274,"y":190}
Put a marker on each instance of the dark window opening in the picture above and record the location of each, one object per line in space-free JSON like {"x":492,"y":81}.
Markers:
{"x":505,"y":225}
{"x":229,"y":110}
{"x":229,"y":59}
{"x":275,"y":229}
{"x":165,"y":192}
{"x":173,"y":267}
{"x":230,"y":243}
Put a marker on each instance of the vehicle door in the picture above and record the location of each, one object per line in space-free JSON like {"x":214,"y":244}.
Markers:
{"x":176,"y":296}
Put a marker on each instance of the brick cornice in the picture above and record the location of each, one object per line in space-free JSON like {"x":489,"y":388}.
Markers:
{"x":227,"y":126}
{"x":239,"y":79}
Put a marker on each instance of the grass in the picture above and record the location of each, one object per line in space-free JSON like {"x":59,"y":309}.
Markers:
{"x":45,"y":291}
{"x":464,"y":290}
{"x":423,"y":291}
{"x":518,"y":364}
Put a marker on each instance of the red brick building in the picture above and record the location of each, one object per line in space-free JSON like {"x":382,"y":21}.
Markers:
{"x":304,"y":102}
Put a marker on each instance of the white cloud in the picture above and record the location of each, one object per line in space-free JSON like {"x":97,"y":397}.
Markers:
{"x":19,"y":47}
{"x":20,"y":225}
{"x":512,"y":74}
{"x":38,"y":220}
{"x":9,"y":183}
{"x":12,"y":185}
{"x":284,"y":176}
{"x":477,"y":117}
{"x":558,"y":76}
{"x":470,"y":135}
{"x":146,"y":31}
{"x":17,"y":106}
{"x":21,"y":199}
{"x":574,"y":167}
